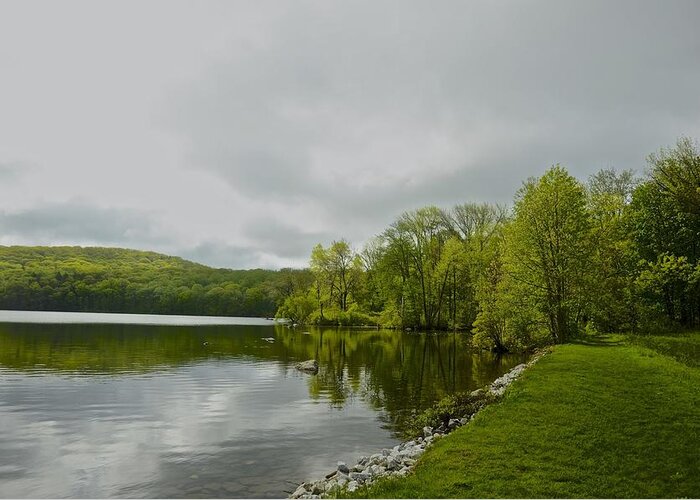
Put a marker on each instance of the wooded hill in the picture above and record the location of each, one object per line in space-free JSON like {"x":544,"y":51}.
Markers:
{"x":130,"y":281}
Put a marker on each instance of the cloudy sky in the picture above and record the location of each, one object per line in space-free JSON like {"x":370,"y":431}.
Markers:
{"x":239,"y":134}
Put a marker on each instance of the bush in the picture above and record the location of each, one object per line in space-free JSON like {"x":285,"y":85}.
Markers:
{"x":456,"y":406}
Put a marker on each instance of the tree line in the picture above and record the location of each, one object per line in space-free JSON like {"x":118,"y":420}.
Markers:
{"x":97,"y":279}
{"x":618,"y":252}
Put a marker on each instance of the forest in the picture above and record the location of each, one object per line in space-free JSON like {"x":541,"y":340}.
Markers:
{"x":617,"y":253}
{"x":96,"y":279}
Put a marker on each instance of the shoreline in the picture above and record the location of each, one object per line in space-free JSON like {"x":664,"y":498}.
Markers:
{"x":401,"y":459}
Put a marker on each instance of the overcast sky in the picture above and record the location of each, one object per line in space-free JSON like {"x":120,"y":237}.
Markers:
{"x":240,"y":134}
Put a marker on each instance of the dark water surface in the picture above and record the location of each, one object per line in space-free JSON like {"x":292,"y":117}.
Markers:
{"x":125,"y":410}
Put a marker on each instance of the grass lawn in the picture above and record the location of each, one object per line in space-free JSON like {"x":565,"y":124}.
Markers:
{"x":605,"y":418}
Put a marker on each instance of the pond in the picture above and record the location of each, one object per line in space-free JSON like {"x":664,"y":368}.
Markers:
{"x":97,"y":406}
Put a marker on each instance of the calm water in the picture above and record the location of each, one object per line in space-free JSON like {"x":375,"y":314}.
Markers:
{"x":91,"y":409}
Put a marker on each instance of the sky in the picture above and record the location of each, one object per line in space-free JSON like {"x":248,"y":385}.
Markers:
{"x":241,"y":133}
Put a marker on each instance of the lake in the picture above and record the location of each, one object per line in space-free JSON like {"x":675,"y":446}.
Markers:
{"x":109,"y":405}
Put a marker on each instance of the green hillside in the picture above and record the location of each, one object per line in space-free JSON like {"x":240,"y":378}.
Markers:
{"x":120,"y":280}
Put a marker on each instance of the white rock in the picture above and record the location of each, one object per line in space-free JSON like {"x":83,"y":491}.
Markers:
{"x":299,"y":491}
{"x":393,"y":464}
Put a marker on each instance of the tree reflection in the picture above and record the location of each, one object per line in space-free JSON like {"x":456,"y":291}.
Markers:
{"x":394,"y":372}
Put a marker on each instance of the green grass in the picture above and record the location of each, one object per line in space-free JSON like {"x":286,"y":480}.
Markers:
{"x":683,"y":347}
{"x":607,"y":418}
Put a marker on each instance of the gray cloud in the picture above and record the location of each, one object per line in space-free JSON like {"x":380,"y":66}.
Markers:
{"x":255,"y":130}
{"x":220,"y":254}
{"x":285,"y":240}
{"x":363,"y":116}
{"x":12,"y":170}
{"x":80,"y":222}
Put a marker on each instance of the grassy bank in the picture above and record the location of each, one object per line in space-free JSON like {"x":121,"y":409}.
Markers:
{"x":606,"y":418}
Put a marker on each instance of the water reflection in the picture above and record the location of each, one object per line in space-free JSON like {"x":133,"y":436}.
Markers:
{"x":215,"y":411}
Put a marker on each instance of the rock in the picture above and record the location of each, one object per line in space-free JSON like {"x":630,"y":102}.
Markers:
{"x":317,"y":488}
{"x":413,"y":452}
{"x":331,"y":474}
{"x":357,"y":468}
{"x":343,"y":467}
{"x":385,"y":452}
{"x":352,"y":486}
{"x":301,"y":490}
{"x":463,"y":421}
{"x":394,"y":463}
{"x":477,"y":392}
{"x":377,"y":470}
{"x":453,"y":424}
{"x":427,"y":431}
{"x":360,"y":477}
{"x":363,"y":460}
{"x":310,"y":366}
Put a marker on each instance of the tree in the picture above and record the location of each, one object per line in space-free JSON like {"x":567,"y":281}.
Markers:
{"x":297,"y":308}
{"x":614,"y":257}
{"x":609,"y":182}
{"x":337,"y":273}
{"x":548,"y":248}
{"x":416,"y":241}
{"x":676,"y":172}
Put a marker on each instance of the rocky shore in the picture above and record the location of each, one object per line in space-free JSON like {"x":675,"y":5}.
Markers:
{"x":400,"y":460}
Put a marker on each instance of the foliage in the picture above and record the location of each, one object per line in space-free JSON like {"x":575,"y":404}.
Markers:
{"x":548,"y":249}
{"x":454,"y":406}
{"x":131,"y":281}
{"x":676,"y":173}
{"x":297,"y":308}
{"x":618,"y":254}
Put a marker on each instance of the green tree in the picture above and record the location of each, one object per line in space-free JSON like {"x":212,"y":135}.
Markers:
{"x":548,"y":248}
{"x":337,"y":272}
{"x":676,"y":172}
{"x":614,"y":257}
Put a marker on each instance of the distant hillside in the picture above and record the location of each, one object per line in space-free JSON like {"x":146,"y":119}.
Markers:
{"x":119,"y":280}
